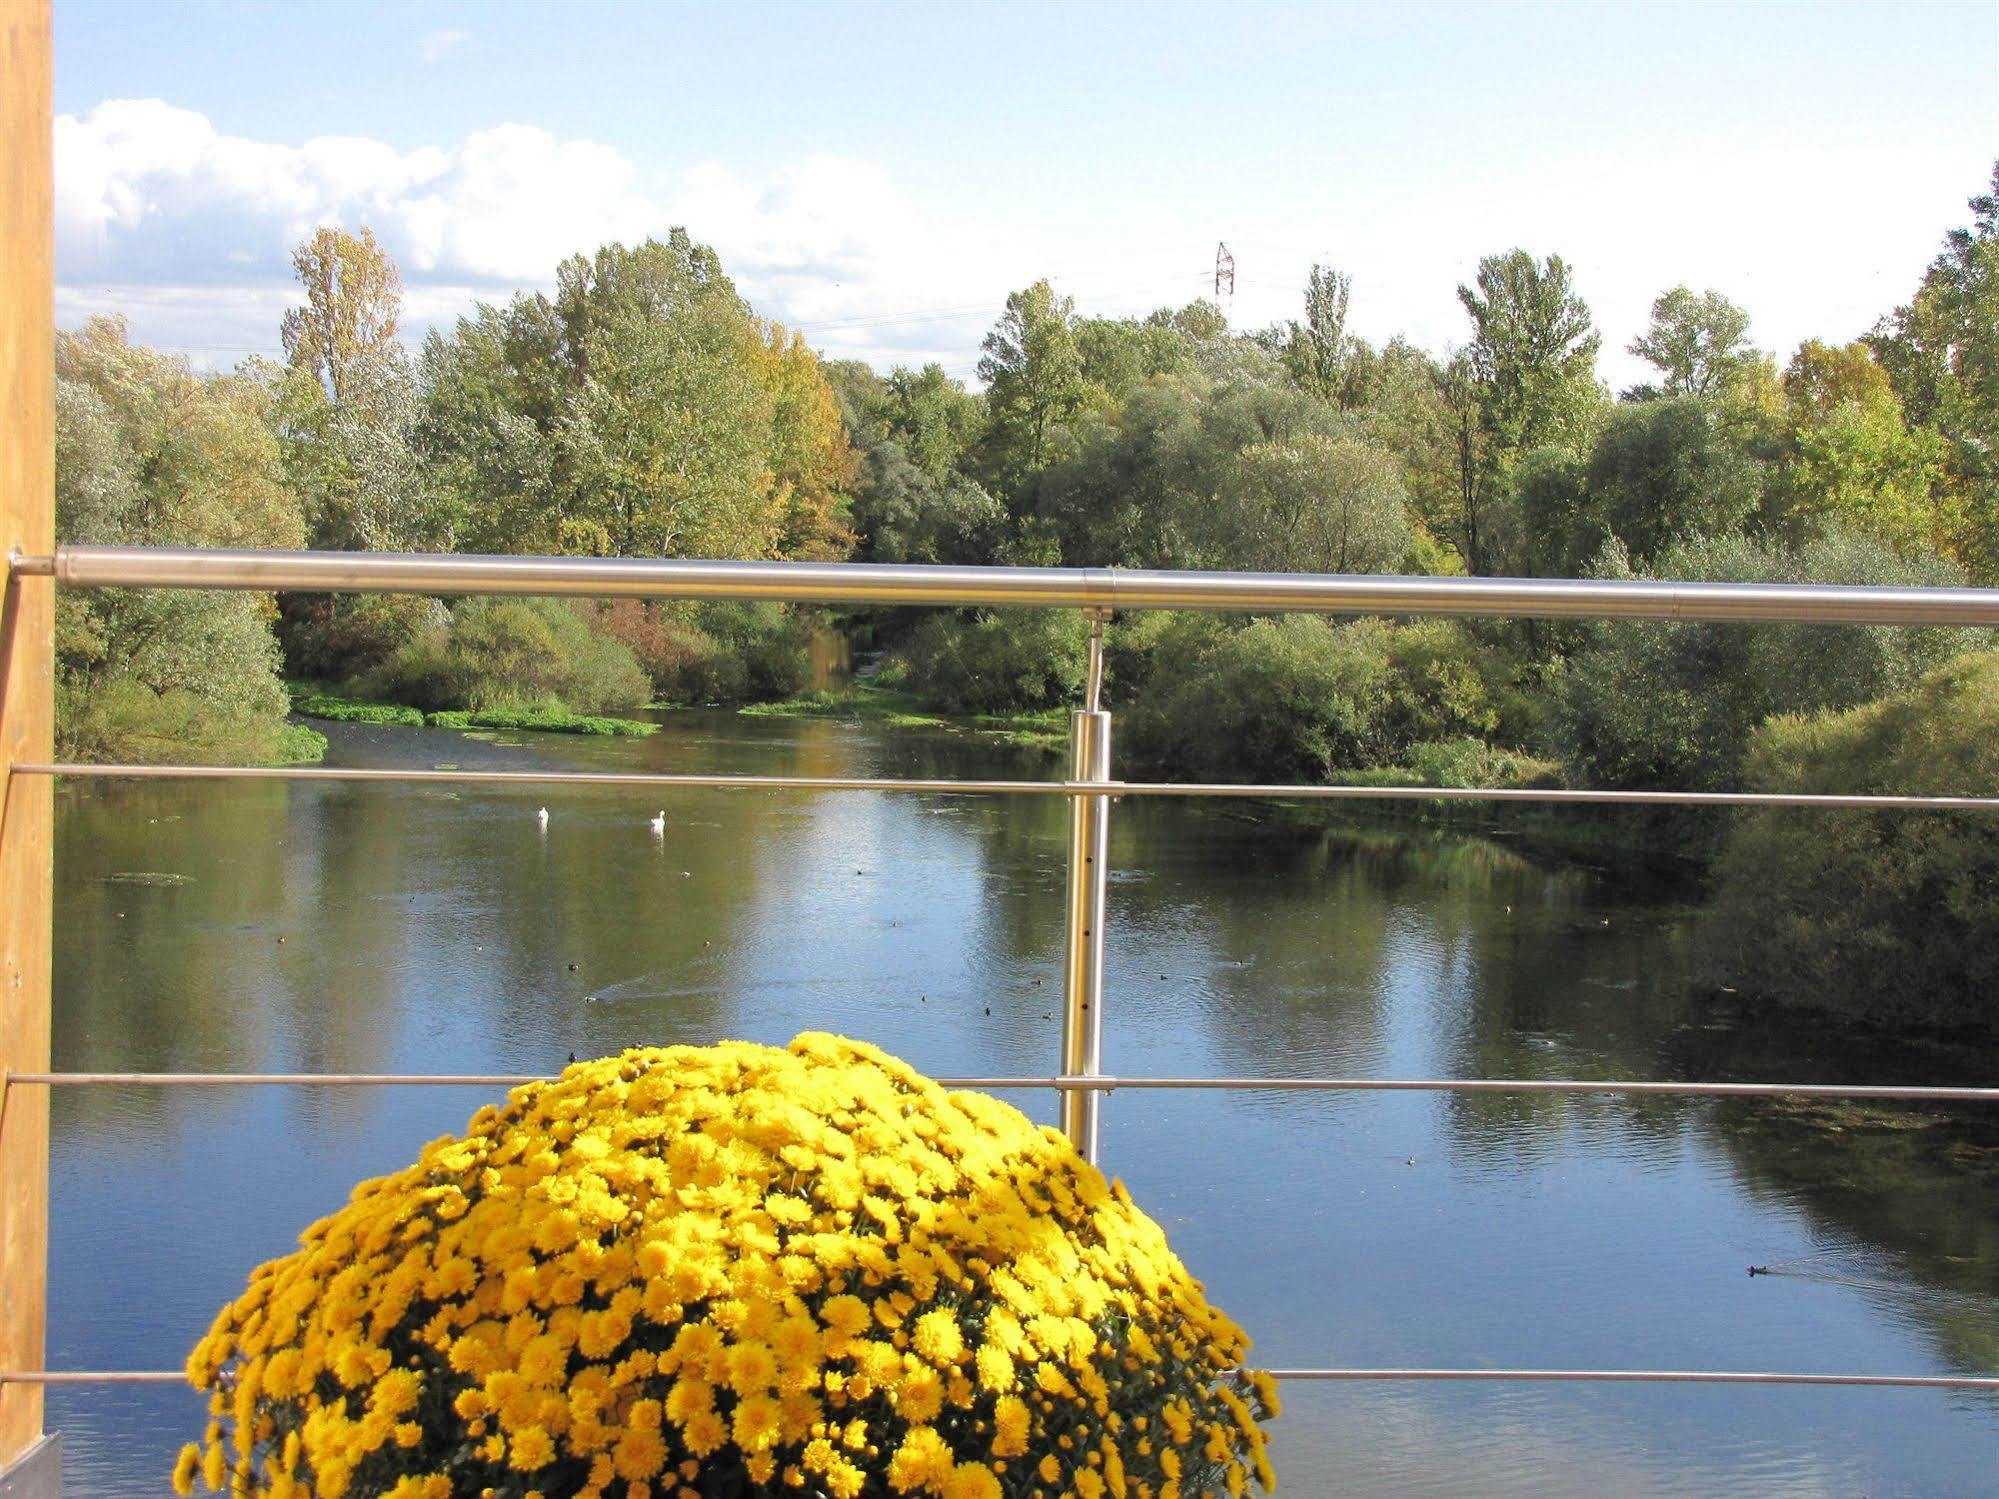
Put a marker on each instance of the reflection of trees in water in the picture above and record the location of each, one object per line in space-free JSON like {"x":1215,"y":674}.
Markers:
{"x":166,"y":945}
{"x":1915,"y":1188}
{"x":1271,"y":940}
{"x":1558,"y":972}
{"x":1918,"y":1188}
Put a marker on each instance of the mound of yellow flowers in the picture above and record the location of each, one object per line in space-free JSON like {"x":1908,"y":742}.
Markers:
{"x":732,"y":1271}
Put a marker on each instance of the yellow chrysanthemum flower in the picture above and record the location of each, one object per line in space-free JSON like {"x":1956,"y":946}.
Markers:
{"x":809,"y":1268}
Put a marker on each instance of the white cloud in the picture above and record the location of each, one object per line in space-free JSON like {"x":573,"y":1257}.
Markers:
{"x":439,"y":44}
{"x":190,"y":230}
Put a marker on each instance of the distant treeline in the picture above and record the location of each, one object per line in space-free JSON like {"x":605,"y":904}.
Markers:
{"x":645,"y":409}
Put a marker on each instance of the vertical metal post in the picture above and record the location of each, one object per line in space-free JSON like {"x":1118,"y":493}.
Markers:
{"x":1083,"y":950}
{"x":27,"y":663}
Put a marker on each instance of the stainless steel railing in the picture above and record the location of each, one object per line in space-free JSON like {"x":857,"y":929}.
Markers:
{"x":1081,"y":1083}
{"x":1028,"y":587}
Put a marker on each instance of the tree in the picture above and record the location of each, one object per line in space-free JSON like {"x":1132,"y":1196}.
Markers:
{"x":1532,"y":354}
{"x":1034,"y":379}
{"x":1848,"y":455}
{"x":1321,"y":355}
{"x":815,"y":465}
{"x":1316,"y":504}
{"x":1699,"y":343}
{"x":1892,"y":917}
{"x":1407,"y":414}
{"x":1560,"y":531}
{"x":1941,"y":353}
{"x":1666,"y":471}
{"x":348,"y":330}
{"x":150,"y":454}
{"x":346,"y":404}
{"x":644,"y":409}
{"x":905,"y":514}
{"x":1671,"y":705}
{"x":932,"y":416}
{"x":1462,"y":400}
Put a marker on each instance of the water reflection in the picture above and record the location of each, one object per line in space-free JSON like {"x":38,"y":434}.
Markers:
{"x":375,"y":928}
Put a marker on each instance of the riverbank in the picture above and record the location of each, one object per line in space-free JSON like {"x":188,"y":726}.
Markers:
{"x":527,"y":720}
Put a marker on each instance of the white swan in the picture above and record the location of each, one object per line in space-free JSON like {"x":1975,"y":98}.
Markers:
{"x":659,"y":824}
{"x":542,"y":817}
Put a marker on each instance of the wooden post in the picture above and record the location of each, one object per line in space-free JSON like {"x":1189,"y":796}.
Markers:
{"x":27,"y":667}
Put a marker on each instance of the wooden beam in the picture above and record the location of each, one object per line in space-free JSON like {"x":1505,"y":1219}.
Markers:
{"x":27,"y":665}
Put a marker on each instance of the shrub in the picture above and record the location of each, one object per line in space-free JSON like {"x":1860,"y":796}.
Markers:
{"x":999,"y":662}
{"x":511,"y":653}
{"x":1889,"y":916}
{"x":691,"y":1271}
{"x":754,"y":652}
{"x":332,"y":637}
{"x":1296,"y":698}
{"x":714,"y":652}
{"x":1672,"y":705}
{"x":123,"y":719}
{"x":168,"y":675}
{"x":1467,"y":763}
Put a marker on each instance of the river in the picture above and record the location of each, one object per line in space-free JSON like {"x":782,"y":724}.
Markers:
{"x":325,"y":927}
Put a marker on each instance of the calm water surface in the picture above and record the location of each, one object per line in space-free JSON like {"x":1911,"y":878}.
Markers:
{"x":363,"y":928}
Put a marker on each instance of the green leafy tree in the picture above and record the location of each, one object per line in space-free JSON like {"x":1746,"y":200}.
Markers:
{"x":1034,"y":379}
{"x":1118,"y":355}
{"x":1666,"y":471}
{"x":642,"y":410}
{"x":1474,"y":462}
{"x":905,"y":514}
{"x":150,"y":454}
{"x":1889,"y":917}
{"x":933,"y":417}
{"x":1941,"y":351}
{"x":1321,"y":355}
{"x":667,"y":431}
{"x":1699,"y":343}
{"x":1408,"y":415}
{"x":1561,"y":531}
{"x":1849,"y":457}
{"x":1671,"y":705}
{"x":1319,"y":503}
{"x":346,"y":403}
{"x":1532,"y":355}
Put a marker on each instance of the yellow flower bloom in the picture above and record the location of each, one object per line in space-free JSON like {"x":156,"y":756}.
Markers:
{"x":971,"y":1481}
{"x":804,"y":1266}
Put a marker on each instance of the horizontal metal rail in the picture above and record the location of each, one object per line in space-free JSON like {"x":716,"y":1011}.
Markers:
{"x":1554,"y":1376}
{"x":1219,"y":789}
{"x":1103,"y":1083}
{"x":1037,"y":587}
{"x":665,"y":780}
{"x":1653,"y":1376}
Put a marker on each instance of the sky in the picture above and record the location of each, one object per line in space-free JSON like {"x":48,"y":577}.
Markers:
{"x":880,"y":176}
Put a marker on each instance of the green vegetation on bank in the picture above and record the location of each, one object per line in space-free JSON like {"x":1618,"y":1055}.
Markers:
{"x":1885,"y":916}
{"x":541,"y":720}
{"x":346,"y":710}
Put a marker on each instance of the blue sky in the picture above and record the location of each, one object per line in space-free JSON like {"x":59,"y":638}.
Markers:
{"x":882,"y":175}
